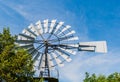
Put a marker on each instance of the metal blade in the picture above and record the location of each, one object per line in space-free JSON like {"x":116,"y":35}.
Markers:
{"x":30,"y":31}
{"x":21,"y":38}
{"x":64,"y":29}
{"x":27,"y":46}
{"x":33,"y":29}
{"x":58,"y":61}
{"x":27,"y":32}
{"x":53,"y":22}
{"x":39,"y":27}
{"x":58,"y":26}
{"x":45,"y":26}
{"x":26,"y":36}
{"x":73,"y":38}
{"x":68,"y":50}
{"x":70,"y":33}
{"x":66,"y":57}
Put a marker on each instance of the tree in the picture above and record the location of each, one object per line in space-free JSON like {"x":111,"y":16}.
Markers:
{"x":16,"y":64}
{"x":86,"y":77}
{"x":115,"y":77}
{"x":91,"y":78}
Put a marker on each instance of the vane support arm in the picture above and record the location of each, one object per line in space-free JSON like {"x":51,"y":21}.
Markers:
{"x":63,"y":46}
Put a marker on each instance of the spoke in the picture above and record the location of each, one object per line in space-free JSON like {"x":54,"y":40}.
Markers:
{"x":42,"y":37}
{"x":69,"y":38}
{"x":39,"y":41}
{"x":60,"y":39}
{"x":39,"y":47}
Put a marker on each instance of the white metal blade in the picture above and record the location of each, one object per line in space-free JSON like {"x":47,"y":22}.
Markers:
{"x":39,"y":27}
{"x":26,"y":36}
{"x":58,"y":61}
{"x":96,"y":46}
{"x":69,"y":51}
{"x":64,"y":29}
{"x":67,"y":58}
{"x":33,"y":29}
{"x":28,"y":33}
{"x":70,"y":33}
{"x":52,"y":25}
{"x":21,"y":38}
{"x":58,"y":26}
{"x":24,"y":44}
{"x":45,"y":26}
{"x":73,"y":38}
{"x":31,"y":32}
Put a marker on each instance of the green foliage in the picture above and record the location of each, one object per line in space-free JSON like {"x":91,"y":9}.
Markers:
{"x":115,"y":77}
{"x":39,"y":80}
{"x":6,"y":39}
{"x":16,"y":64}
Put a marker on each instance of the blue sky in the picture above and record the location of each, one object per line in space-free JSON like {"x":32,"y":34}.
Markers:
{"x":93,"y":20}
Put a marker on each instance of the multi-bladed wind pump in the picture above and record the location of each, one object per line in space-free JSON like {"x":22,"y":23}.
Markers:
{"x":51,"y":43}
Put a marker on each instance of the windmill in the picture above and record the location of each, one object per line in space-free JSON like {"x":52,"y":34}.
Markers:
{"x":51,"y":43}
